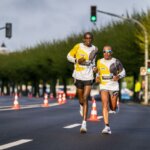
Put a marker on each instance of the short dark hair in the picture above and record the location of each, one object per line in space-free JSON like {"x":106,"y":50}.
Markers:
{"x":107,"y":46}
{"x":87,"y":33}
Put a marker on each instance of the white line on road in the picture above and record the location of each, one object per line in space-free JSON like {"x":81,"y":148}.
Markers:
{"x":100,"y":117}
{"x":12,"y":144}
{"x":77,"y":124}
{"x":29,"y":106}
{"x":4,"y":107}
{"x":72,"y":126}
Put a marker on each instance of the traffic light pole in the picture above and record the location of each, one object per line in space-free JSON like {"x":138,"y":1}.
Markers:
{"x":146,"y":46}
{"x":2,"y":28}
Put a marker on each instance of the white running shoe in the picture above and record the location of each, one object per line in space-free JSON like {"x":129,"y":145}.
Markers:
{"x":112,"y":112}
{"x":81,"y":110}
{"x":83,"y":128}
{"x":106,"y":130}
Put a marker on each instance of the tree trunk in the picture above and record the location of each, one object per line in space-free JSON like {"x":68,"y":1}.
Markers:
{"x":36,"y":87}
{"x":65,"y":85}
{"x":53,"y":86}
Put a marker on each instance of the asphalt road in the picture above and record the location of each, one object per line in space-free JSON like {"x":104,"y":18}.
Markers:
{"x":44,"y":128}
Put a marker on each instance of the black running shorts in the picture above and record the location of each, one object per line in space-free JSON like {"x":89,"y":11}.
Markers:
{"x":81,"y":84}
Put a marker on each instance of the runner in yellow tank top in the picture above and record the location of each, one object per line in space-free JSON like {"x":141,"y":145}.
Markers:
{"x":110,"y":70}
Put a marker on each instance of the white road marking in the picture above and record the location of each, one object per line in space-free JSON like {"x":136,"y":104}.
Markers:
{"x":100,"y":117}
{"x":4,"y":107}
{"x":12,"y":144}
{"x":77,"y":124}
{"x":72,"y":126}
{"x":28,"y":106}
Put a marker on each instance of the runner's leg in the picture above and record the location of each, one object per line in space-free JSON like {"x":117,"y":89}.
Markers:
{"x":80,"y":95}
{"x":87,"y":90}
{"x":113,"y":101}
{"x":105,"y":99}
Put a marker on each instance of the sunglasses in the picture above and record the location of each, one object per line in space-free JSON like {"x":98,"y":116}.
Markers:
{"x":107,"y":51}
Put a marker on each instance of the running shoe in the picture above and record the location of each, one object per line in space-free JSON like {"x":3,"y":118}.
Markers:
{"x":81,"y":110}
{"x":83,"y":128}
{"x":112,"y":112}
{"x":106,"y":130}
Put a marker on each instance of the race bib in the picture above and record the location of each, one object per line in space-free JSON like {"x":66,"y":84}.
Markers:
{"x":107,"y":76}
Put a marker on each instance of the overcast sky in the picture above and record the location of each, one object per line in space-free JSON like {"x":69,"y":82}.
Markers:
{"x":45,"y":20}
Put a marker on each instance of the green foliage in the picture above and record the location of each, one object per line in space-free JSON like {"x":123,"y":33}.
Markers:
{"x":144,"y":18}
{"x":129,"y":81}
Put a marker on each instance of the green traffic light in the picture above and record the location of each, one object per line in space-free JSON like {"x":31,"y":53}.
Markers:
{"x":93,"y":18}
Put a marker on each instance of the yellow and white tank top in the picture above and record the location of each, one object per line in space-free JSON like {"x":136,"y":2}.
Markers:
{"x":85,"y":71}
{"x":105,"y":75}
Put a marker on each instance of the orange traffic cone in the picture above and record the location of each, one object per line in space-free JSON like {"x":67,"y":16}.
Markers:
{"x":64,"y":98}
{"x":93,"y":116}
{"x":16,"y":105}
{"x":45,"y":101}
{"x":60,"y":99}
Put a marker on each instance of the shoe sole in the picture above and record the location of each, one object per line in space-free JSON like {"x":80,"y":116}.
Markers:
{"x":106,"y":133}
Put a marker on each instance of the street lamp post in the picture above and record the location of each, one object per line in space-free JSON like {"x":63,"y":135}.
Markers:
{"x":145,"y":47}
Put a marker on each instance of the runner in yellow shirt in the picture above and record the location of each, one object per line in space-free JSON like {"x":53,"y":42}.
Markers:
{"x":110,"y":70}
{"x":83,"y":56}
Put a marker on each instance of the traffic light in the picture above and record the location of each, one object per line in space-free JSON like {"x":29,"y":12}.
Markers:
{"x":93,"y":14}
{"x":8,"y":28}
{"x":148,"y":66}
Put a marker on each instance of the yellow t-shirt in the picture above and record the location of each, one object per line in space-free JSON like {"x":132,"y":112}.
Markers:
{"x":137,"y":87}
{"x":82,"y":72}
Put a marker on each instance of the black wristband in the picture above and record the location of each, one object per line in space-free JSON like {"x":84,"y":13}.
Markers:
{"x":76,"y":61}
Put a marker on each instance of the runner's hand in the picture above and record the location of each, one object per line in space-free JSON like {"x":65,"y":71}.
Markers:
{"x":81,"y":60}
{"x":97,"y":79}
{"x":95,"y":69}
{"x":115,"y":78}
